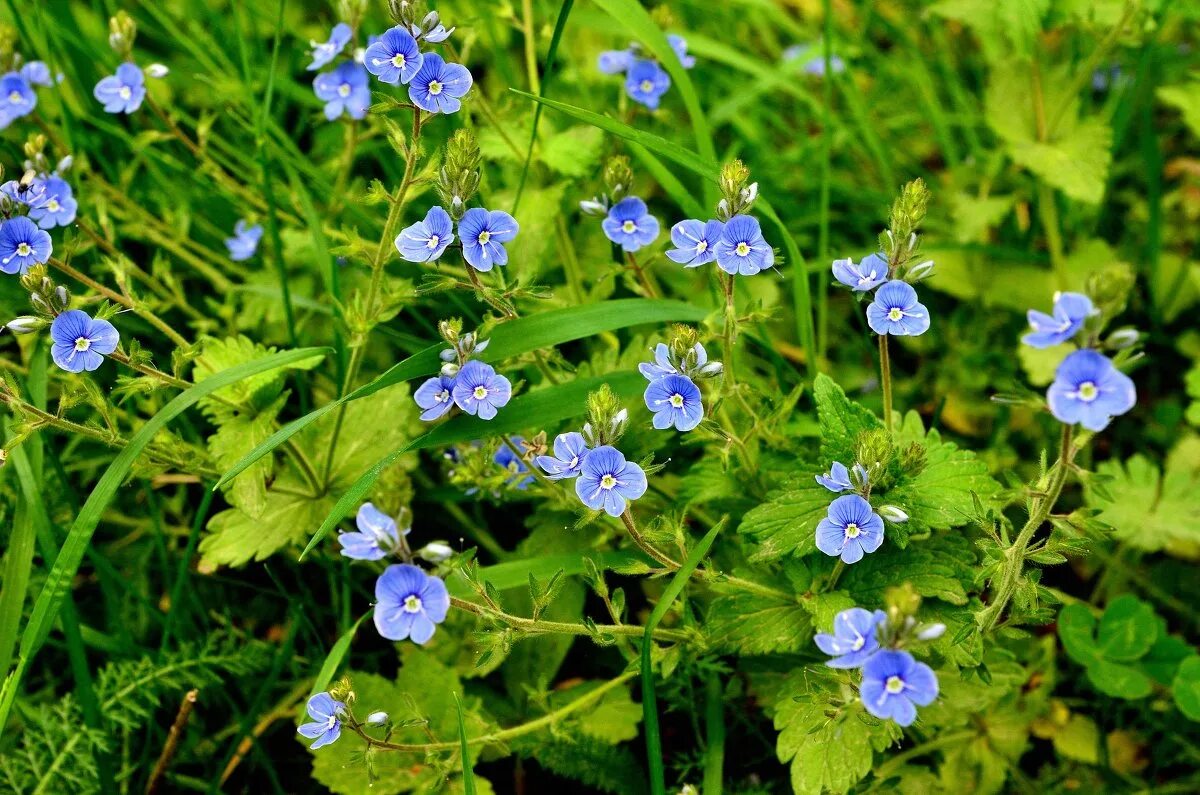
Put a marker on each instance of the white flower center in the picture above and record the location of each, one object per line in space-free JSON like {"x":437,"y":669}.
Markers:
{"x":432,"y":242}
{"x":628,"y":227}
{"x":484,"y":236}
{"x":867,"y":279}
{"x":852,"y":530}
{"x":742,"y":249}
{"x":607,"y":482}
{"x":677,"y":400}
{"x":435,"y":87}
{"x":1088,"y":391}
{"x":124,"y":92}
{"x":14,"y":97}
{"x":398,"y":60}
{"x":858,"y":643}
{"x":480,"y":392}
{"x":52,"y":205}
{"x":344,"y":90}
{"x":443,"y":396}
{"x":412,"y":604}
{"x":702,"y":247}
{"x":647,"y":86}
{"x":573,"y":463}
{"x":894,"y":685}
{"x":24,"y":250}
{"x":82,"y":344}
{"x":895,"y":313}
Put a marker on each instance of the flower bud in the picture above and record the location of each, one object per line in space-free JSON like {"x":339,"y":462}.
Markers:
{"x":157,"y":70}
{"x":618,"y":176}
{"x":448,"y":355}
{"x":931,"y":631}
{"x":593,"y":206}
{"x":62,"y":298}
{"x":435,"y":552}
{"x":26,"y":324}
{"x":377,"y":718}
{"x":450,"y":369}
{"x":893,"y":514}
{"x":919,"y":272}
{"x":1123,"y":338}
{"x":65,"y":164}
{"x":711,"y":370}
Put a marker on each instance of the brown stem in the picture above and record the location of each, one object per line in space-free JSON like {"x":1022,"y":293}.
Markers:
{"x":172,"y":744}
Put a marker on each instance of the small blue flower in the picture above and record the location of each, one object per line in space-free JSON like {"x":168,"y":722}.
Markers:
{"x":1071,"y":310}
{"x":479,"y":390}
{"x":896,"y":311}
{"x":394,"y":57}
{"x":646,"y":82}
{"x":81,"y":342}
{"x":679,"y":45}
{"x":32,"y":194}
{"x":607,"y":480}
{"x":17,"y":98}
{"x":853,"y":640}
{"x":1104,"y":77}
{"x":23,"y":245}
{"x":630,"y":225}
{"x":483,"y":235}
{"x":326,"y":726}
{"x":37,"y":73}
{"x":244,"y":242}
{"x":661,"y":366}
{"x":122,"y":92}
{"x":377,"y":535}
{"x":409,"y":603}
{"x":1089,"y":390}
{"x":615,"y":62}
{"x":850,"y":530}
{"x":57,"y":205}
{"x":439,"y":86}
{"x":837,"y":479}
{"x":323,"y":53}
{"x":436,"y":34}
{"x":510,"y":461}
{"x":695,"y":242}
{"x":861,"y":278}
{"x":346,"y":89}
{"x":675,"y":400}
{"x":894,"y":685}
{"x":742,"y":249}
{"x":435,"y":396}
{"x":569,"y":451}
{"x":425,"y":240}
{"x":814,"y":64}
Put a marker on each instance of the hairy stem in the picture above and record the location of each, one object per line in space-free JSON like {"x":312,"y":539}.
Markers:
{"x":885,"y":380}
{"x":123,"y":300}
{"x":542,"y":627}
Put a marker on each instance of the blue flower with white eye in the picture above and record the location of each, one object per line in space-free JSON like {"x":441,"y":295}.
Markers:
{"x":861,"y":278}
{"x":646,"y":82}
{"x":896,"y":311}
{"x":17,"y":98}
{"x":81,"y":342}
{"x":1070,"y":312}
{"x":695,"y":242}
{"x":346,"y":90}
{"x":37,"y":73}
{"x":377,"y":536}
{"x":661,"y":366}
{"x":244,"y":242}
{"x":32,"y":194}
{"x":57,"y":205}
{"x":837,"y":479}
{"x":894,"y":685}
{"x":394,"y":57}
{"x":435,"y":397}
{"x":569,"y":451}
{"x":479,"y":390}
{"x":679,"y":45}
{"x":675,"y":401}
{"x":438,"y":86}
{"x":327,"y":724}
{"x":323,"y":53}
{"x":23,"y":245}
{"x":850,"y":529}
{"x":409,"y":603}
{"x":483,"y":235}
{"x":510,"y":461}
{"x":425,"y":240}
{"x":606,"y":480}
{"x":122,"y":92}
{"x":630,"y":225}
{"x":742,"y":249}
{"x":853,"y":640}
{"x":616,"y":62}
{"x":1089,"y":390}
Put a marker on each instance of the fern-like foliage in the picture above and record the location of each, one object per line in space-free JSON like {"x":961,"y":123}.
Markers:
{"x":56,"y":752}
{"x":608,"y":768}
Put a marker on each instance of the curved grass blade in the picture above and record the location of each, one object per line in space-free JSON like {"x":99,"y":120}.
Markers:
{"x":669,"y":182}
{"x":515,"y":573}
{"x":527,"y":334}
{"x":468,"y":773}
{"x":333,"y":660}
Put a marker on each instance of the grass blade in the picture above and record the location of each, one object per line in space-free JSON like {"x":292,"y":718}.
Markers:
{"x":334,"y":659}
{"x":468,"y":773}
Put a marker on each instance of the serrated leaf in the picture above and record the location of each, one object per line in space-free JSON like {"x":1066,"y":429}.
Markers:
{"x":1186,"y":99}
{"x":841,"y":420}
{"x":751,"y":624}
{"x":786,"y":522}
{"x":940,"y":567}
{"x":1149,"y":511}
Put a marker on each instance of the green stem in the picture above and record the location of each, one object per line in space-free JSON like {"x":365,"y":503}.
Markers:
{"x":714,"y":731}
{"x":541,"y":627}
{"x":123,"y":300}
{"x":885,"y":380}
{"x":885,"y":770}
{"x":730,"y":327}
{"x":826,"y":158}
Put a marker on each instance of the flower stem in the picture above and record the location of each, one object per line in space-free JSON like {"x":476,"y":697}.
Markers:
{"x":885,"y":380}
{"x":642,"y":277}
{"x":541,"y":627}
{"x":730,"y":328}
{"x":123,"y":300}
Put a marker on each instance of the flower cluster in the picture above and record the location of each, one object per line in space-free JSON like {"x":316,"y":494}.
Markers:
{"x":893,"y":683}
{"x":734,"y":240}
{"x":645,"y":79}
{"x":79,"y":341}
{"x":473,"y":386}
{"x":851,"y":527}
{"x":483,"y":234}
{"x":672,"y":394}
{"x":17,"y":94}
{"x":1088,"y":388}
{"x":125,"y":89}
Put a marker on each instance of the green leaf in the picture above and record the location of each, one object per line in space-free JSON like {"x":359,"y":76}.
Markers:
{"x":1076,"y":629}
{"x":748,"y":623}
{"x":785,"y":523}
{"x":613,"y":719}
{"x":941,"y":567}
{"x":235,"y":436}
{"x":842,"y":421}
{"x":1186,"y":687}
{"x":1079,"y":739}
{"x":467,"y":773}
{"x":1128,"y":629}
{"x":1186,"y":99}
{"x":515,"y":573}
{"x":333,"y":660}
{"x":1077,"y":163}
{"x":1163,"y":659}
{"x":1149,"y":511}
{"x":1119,"y":681}
{"x":1005,"y":30}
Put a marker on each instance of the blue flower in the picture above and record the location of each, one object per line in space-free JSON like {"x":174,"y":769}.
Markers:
{"x":244,"y":242}
{"x":17,"y":98}
{"x":853,"y":640}
{"x":439,"y":86}
{"x":1089,"y":390}
{"x":122,"y":92}
{"x":679,"y":45}
{"x":344,"y":90}
{"x":850,"y":530}
{"x":32,"y":194}
{"x":409,"y":603}
{"x":675,"y":400}
{"x":1070,"y":312}
{"x":630,"y":225}
{"x":435,"y":396}
{"x":483,"y":234}
{"x":615,"y":62}
{"x":569,"y":451}
{"x":81,"y":342}
{"x":37,"y":73}
{"x":377,"y":535}
{"x":646,"y":82}
{"x":322,"y":54}
{"x":57,"y":205}
{"x":742,"y":249}
{"x":695,"y":242}
{"x":861,"y":278}
{"x":437,"y":33}
{"x":480,"y":390}
{"x":896,"y":311}
{"x":837,"y":479}
{"x":509,"y":460}
{"x":394,"y":57}
{"x":894,"y":685}
{"x":661,"y":366}
{"x":607,"y":480}
{"x":326,"y":726}
{"x":23,"y":245}
{"x":425,"y":240}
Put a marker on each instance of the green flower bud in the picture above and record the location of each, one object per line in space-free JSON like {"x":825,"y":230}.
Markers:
{"x":618,"y":177}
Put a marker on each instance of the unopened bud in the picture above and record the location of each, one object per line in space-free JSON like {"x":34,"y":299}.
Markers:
{"x":593,"y":206}
{"x":931,"y":631}
{"x":893,"y":514}
{"x":450,"y":369}
{"x":157,"y":70}
{"x":26,"y":324}
{"x":922,"y":271}
{"x":711,"y":369}
{"x":435,"y":552}
{"x":377,"y":718}
{"x":1123,"y":338}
